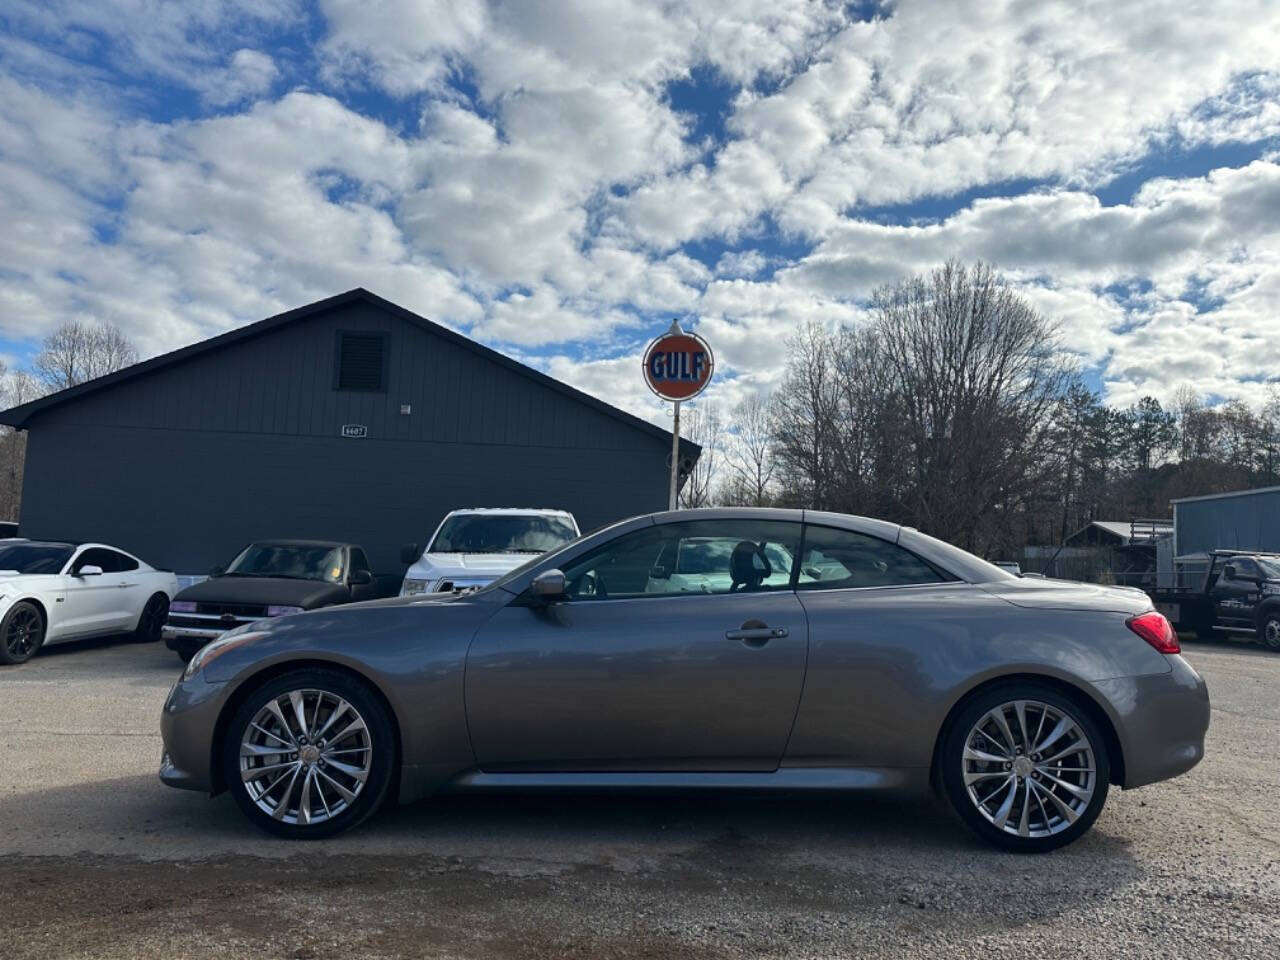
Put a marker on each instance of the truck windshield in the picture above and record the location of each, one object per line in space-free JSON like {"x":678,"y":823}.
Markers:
{"x":35,"y":557}
{"x":292,"y":561}
{"x":502,"y":533}
{"x":1270,"y":567}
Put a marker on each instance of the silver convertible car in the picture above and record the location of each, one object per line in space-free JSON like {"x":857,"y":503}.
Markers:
{"x":725,"y":649}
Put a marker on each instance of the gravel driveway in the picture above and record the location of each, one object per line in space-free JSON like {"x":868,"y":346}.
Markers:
{"x":97,"y":859}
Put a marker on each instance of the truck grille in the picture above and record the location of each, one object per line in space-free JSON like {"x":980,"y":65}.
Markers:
{"x":239,"y":611}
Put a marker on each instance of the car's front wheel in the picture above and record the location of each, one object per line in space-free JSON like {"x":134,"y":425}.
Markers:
{"x":1025,"y":766}
{"x":309,"y":754}
{"x":21,"y":633}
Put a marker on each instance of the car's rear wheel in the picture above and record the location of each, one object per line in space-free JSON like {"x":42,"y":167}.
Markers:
{"x":1025,"y":766}
{"x":1269,"y":632}
{"x":21,"y":633}
{"x":151,"y":622}
{"x":309,"y":754}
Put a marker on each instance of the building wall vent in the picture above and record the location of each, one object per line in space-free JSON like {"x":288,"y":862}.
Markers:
{"x":362,"y":362}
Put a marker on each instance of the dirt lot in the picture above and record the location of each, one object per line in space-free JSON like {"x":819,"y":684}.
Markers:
{"x":97,"y":859}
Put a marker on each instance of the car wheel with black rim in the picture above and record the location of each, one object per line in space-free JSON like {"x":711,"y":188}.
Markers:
{"x":1269,"y":631}
{"x":1025,"y":767}
{"x":309,"y":754}
{"x":151,"y":622}
{"x":21,"y":633}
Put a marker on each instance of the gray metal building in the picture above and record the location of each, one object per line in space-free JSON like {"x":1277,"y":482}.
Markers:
{"x":352,"y":419}
{"x":1243,"y":520}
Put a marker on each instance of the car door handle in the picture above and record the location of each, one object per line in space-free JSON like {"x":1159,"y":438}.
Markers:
{"x":123,"y":585}
{"x":756,"y":636}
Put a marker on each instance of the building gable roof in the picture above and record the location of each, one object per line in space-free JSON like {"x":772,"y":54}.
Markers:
{"x":19,"y":416}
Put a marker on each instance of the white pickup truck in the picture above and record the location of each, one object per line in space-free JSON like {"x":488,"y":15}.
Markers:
{"x":474,"y":547}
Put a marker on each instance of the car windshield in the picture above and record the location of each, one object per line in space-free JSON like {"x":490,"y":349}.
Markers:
{"x":292,"y":561}
{"x":502,"y":533}
{"x":36,"y":557}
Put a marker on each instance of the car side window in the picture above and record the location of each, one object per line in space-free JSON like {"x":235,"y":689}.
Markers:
{"x":122,"y":562}
{"x":698,"y":557}
{"x":96,"y":557}
{"x":836,"y":559}
{"x":358,"y":560}
{"x":1246,"y":569}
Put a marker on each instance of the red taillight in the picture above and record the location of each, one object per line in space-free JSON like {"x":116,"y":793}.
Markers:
{"x":1156,"y":629}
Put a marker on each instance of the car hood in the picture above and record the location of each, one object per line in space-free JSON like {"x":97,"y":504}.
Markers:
{"x":282,"y":591}
{"x":471,"y":566}
{"x":13,"y":582}
{"x":1068,"y":595}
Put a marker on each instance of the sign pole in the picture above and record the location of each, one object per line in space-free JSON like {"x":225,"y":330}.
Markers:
{"x":675,"y":456}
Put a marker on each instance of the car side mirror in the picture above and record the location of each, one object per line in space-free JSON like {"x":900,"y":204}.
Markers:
{"x":360,"y":578}
{"x":217,"y":571}
{"x":89,"y":570}
{"x":1229,"y":571}
{"x":659,"y":573}
{"x":548,"y":585}
{"x":409,"y":553}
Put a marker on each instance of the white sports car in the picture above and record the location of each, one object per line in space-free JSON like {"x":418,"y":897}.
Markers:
{"x":50,"y":592}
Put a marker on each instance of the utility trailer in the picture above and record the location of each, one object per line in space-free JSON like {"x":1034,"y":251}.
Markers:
{"x":1239,"y":595}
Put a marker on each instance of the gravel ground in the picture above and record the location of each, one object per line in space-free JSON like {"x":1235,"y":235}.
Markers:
{"x":97,"y":859}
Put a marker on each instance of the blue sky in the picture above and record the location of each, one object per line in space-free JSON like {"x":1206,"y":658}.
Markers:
{"x":559,"y":179}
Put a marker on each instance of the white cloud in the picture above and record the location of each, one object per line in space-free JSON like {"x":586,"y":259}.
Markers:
{"x":538,"y":185}
{"x":249,"y":74}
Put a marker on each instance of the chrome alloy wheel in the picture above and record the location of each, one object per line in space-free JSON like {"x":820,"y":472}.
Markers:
{"x":1029,"y":768}
{"x":305,"y":756}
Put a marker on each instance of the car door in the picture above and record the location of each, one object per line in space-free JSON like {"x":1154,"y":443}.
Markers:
{"x":134,"y":590}
{"x":1236,"y":597}
{"x":657,"y":659}
{"x":94,"y":603}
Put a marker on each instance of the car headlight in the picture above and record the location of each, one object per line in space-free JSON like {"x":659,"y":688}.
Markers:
{"x":182,"y":606}
{"x":282,"y":610}
{"x":413,"y":587}
{"x":211,"y":651}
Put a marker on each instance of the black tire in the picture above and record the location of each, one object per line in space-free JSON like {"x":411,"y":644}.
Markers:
{"x":380,"y":737}
{"x":1269,"y":630}
{"x":151,"y":621}
{"x":21,"y":633}
{"x":952,"y":769}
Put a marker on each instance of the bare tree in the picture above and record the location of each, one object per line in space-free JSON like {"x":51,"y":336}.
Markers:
{"x":16,"y":388}
{"x":936,"y":413}
{"x":703,"y":426}
{"x":804,"y":412}
{"x":77,"y":351}
{"x":750,"y":450}
{"x":977,"y":374}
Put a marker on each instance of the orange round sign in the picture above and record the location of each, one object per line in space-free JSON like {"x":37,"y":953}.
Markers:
{"x":678,"y":366}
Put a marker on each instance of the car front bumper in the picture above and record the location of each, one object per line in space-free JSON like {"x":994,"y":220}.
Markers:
{"x":187,"y":725}
{"x":1160,"y":721}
